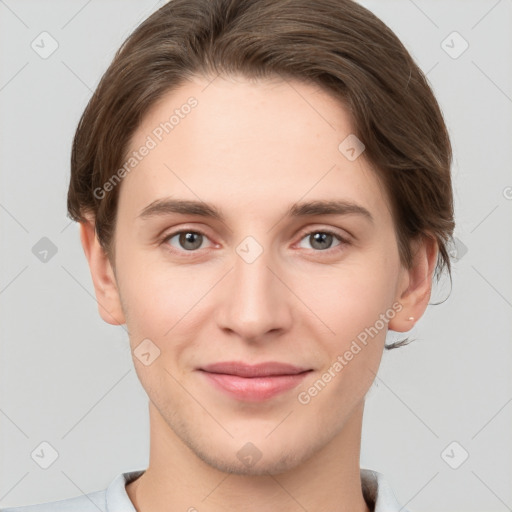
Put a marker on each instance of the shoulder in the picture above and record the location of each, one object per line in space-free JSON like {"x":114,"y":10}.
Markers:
{"x":114,"y":497}
{"x":87,"y":503}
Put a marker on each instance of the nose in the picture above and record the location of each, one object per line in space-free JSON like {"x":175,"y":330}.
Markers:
{"x":255,"y":302}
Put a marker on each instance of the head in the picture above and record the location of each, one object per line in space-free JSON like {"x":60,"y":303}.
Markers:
{"x":241,"y":112}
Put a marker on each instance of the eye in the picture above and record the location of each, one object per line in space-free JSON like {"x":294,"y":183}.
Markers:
{"x":187,"y":240}
{"x":321,"y":240}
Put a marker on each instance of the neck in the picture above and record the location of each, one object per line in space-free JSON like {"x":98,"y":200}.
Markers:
{"x":177,"y":479}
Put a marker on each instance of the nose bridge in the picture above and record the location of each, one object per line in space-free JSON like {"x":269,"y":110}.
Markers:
{"x":256,"y":301}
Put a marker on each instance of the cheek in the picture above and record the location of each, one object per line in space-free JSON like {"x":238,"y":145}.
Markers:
{"x":350,"y":299}
{"x":356,"y":306}
{"x":161,"y":301}
{"x":353,"y":353}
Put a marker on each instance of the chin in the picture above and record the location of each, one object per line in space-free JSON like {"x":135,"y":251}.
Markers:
{"x":279,"y":463}
{"x":262,"y":458}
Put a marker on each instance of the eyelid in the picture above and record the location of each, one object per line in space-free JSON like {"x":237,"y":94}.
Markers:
{"x":344,"y":236}
{"x":343,"y":239}
{"x":185,"y":229}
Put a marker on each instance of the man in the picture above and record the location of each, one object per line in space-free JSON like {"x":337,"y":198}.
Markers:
{"x":263,"y":191}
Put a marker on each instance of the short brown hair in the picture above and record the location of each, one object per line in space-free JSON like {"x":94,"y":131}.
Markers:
{"x":336,"y":44}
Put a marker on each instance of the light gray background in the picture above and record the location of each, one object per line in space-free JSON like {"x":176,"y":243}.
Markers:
{"x":67,"y":378}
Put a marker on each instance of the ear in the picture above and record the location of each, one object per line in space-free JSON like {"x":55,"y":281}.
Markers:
{"x":103,"y":277}
{"x":415,"y":285}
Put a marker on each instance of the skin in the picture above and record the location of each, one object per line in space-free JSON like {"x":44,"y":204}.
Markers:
{"x":253,"y":149}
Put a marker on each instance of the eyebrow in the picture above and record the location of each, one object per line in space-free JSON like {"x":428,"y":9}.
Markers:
{"x":161,"y":207}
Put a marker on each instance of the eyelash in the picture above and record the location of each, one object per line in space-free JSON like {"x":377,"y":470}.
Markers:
{"x":342,"y":241}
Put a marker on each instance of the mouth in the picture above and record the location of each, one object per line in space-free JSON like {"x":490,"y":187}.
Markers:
{"x":254,"y":383}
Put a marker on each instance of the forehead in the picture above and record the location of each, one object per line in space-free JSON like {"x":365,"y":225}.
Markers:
{"x":252,"y":143}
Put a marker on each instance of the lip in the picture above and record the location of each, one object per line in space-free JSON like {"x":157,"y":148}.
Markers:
{"x":242,"y":369}
{"x":254,"y":383}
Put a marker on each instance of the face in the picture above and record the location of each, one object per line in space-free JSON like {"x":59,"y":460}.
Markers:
{"x":268,"y":279}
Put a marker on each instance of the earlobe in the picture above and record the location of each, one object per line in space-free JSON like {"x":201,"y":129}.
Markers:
{"x":103,"y":277}
{"x":416,"y":286}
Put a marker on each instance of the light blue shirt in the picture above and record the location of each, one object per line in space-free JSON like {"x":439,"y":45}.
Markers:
{"x":115,"y":499}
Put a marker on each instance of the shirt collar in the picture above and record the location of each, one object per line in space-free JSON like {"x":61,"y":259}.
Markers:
{"x":376,"y":491}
